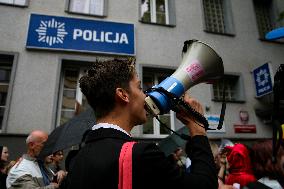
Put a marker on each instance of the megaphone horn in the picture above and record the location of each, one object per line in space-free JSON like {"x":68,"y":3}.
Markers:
{"x":200,"y":63}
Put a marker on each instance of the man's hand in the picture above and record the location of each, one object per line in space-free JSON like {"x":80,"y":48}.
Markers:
{"x":55,"y":185}
{"x":60,"y":176}
{"x":188,"y":120}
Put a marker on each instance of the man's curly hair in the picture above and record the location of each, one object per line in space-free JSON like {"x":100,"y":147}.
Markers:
{"x":101,"y":81}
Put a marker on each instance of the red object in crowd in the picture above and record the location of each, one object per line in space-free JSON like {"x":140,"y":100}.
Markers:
{"x":240,"y":167}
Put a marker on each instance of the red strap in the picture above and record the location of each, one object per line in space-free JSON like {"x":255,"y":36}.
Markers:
{"x":125,"y":166}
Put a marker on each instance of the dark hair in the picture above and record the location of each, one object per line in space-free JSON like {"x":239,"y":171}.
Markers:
{"x":101,"y":81}
{"x":262,"y":160}
{"x":177,"y":149}
{"x":1,"y":150}
{"x":59,"y":152}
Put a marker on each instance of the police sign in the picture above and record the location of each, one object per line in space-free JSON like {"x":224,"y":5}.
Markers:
{"x":73,"y":34}
{"x":262,"y":78}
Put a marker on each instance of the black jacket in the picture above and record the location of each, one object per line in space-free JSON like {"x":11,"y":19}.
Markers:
{"x":96,"y":165}
{"x":3,"y":178}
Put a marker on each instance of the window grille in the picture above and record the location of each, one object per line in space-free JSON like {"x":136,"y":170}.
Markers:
{"x":232,"y":89}
{"x":214,"y":15}
{"x":263,"y":16}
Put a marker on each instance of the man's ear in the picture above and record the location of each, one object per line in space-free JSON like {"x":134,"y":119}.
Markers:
{"x":122,"y":94}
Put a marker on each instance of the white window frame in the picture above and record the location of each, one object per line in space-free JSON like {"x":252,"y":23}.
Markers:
{"x":79,"y":94}
{"x":153,"y":12}
{"x":23,"y":3}
{"x":80,"y":7}
{"x":156,"y":124}
{"x":7,"y":84}
{"x":13,"y":64}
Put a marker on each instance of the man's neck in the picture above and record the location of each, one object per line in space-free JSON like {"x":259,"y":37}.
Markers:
{"x":28,"y":157}
{"x":31,"y":154}
{"x":117,"y":119}
{"x":119,"y":123}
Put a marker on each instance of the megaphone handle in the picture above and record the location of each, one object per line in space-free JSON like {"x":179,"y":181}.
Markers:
{"x":182,"y":106}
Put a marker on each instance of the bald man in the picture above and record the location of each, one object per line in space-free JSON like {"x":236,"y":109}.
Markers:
{"x":27,"y":173}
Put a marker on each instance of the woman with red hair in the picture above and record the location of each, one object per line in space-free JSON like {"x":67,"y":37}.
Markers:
{"x":267,"y":172}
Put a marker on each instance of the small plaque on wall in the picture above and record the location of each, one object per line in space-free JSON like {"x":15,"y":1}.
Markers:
{"x":245,"y":128}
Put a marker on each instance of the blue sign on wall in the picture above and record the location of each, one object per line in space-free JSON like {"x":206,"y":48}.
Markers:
{"x":262,"y":78}
{"x":73,"y":34}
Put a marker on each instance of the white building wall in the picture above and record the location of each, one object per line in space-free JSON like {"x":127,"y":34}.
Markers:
{"x":35,"y":91}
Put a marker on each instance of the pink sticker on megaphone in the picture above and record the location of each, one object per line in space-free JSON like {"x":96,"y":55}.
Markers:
{"x":195,"y":70}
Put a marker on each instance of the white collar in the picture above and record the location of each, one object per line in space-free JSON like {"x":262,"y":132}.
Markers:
{"x":109,"y":126}
{"x":270,"y":183}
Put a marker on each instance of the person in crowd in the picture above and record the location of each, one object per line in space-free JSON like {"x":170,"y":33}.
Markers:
{"x":57,"y":158}
{"x":29,"y":172}
{"x":53,"y":166}
{"x":225,"y":148}
{"x":215,"y":151}
{"x":3,"y":165}
{"x":220,"y":162}
{"x":269,"y":174}
{"x":176,"y":157}
{"x":240,"y":166}
{"x":4,"y":153}
{"x":114,"y":91}
{"x":10,"y":165}
{"x":222,"y":166}
{"x":3,"y":175}
{"x":50,"y":173}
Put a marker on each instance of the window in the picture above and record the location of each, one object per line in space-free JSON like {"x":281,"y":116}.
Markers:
{"x":234,"y":90}
{"x":265,"y":16}
{"x":157,"y":11}
{"x":218,"y":16}
{"x":6,"y":62}
{"x":72,"y":99}
{"x":15,"y":2}
{"x":152,"y":128}
{"x":89,"y":7}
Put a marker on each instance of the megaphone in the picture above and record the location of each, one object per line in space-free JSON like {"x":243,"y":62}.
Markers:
{"x":200,"y":63}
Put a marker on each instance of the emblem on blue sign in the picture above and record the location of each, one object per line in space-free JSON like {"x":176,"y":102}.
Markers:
{"x":262,"y":77}
{"x":263,"y":81}
{"x":51,"y":32}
